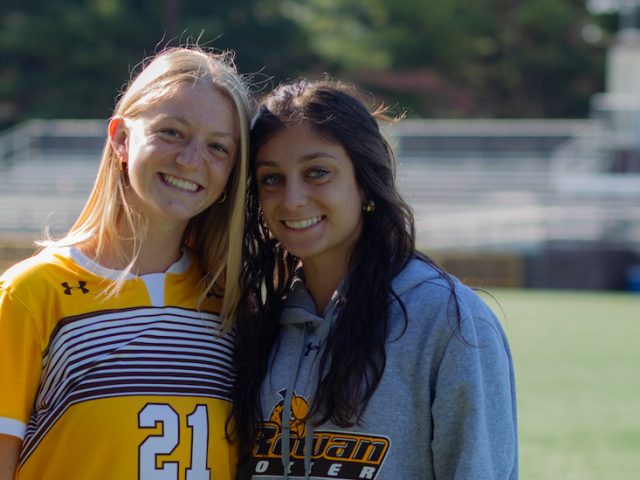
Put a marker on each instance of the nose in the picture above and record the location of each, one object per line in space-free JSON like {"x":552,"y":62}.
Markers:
{"x":190,"y":155}
{"x":295,"y":194}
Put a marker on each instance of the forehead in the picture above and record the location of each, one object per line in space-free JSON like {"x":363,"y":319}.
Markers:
{"x":298,"y":140}
{"x":196,"y":102}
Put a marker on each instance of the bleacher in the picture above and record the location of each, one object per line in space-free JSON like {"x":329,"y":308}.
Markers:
{"x":513,"y":185}
{"x":491,"y":188}
{"x":47,"y":169}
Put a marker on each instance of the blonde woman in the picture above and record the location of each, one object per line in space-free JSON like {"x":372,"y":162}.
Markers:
{"x":114,"y":342}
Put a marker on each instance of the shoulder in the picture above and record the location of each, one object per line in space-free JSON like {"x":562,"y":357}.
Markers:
{"x":25,"y":288}
{"x":431,"y":283}
{"x":34,"y":270}
{"x":432,"y":295}
{"x":420,"y":279}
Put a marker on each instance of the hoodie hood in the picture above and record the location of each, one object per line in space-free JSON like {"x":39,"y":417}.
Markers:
{"x":413,"y":274}
{"x":300,"y":308}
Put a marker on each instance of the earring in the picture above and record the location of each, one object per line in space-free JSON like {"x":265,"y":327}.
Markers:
{"x":123,"y":167}
{"x":223,"y":196}
{"x":369,"y":207}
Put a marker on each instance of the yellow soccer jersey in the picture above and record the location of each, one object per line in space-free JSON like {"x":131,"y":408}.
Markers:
{"x":132,"y":387}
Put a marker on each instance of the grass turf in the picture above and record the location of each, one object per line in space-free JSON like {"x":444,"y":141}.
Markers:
{"x":577,"y":361}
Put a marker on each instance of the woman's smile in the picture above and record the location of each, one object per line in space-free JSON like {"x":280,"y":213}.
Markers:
{"x":180,"y":183}
{"x":303,"y":224}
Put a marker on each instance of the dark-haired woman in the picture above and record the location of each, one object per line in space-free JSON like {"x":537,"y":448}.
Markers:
{"x":357,"y":357}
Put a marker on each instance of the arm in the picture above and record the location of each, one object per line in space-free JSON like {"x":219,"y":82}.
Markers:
{"x":9,"y":453}
{"x":20,"y":367}
{"x":474,"y":410}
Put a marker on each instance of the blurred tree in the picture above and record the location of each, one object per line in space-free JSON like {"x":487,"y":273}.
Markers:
{"x":546,"y":67}
{"x":68,"y":58}
{"x":509,"y":58}
{"x":448,"y":58}
{"x":261,"y":32}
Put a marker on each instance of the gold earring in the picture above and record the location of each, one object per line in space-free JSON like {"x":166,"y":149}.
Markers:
{"x":369,"y":207}
{"x":223,"y":196}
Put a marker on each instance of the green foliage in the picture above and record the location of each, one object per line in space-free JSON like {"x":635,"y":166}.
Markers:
{"x":343,"y":33}
{"x":447,"y":58}
{"x":67,"y":57}
{"x":494,"y":57}
{"x":263,"y":37}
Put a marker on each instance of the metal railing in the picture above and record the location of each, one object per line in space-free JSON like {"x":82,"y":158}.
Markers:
{"x":519,"y":195}
{"x":36,"y":138}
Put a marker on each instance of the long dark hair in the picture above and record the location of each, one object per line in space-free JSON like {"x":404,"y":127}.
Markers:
{"x":348,"y":376}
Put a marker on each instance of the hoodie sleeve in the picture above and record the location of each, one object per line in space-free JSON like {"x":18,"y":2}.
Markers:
{"x":474,"y":407}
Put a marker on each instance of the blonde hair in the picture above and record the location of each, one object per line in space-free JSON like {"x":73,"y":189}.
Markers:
{"x":215,"y":235}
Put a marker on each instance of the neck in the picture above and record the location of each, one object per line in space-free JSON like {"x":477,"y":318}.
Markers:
{"x":321,"y":281}
{"x":157,"y":254}
{"x":158,"y":251}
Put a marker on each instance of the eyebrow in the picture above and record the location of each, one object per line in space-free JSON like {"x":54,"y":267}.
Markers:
{"x":305,"y":158}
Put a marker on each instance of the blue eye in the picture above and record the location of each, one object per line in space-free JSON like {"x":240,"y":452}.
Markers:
{"x":318,"y":172}
{"x":218,"y":147}
{"x":270,"y":179}
{"x":171,"y":132}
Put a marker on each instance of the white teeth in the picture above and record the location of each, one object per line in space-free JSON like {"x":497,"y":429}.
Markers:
{"x":302,"y":224}
{"x":179,"y":183}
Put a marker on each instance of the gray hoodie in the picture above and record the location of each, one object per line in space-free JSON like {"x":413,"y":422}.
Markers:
{"x":445,"y":407}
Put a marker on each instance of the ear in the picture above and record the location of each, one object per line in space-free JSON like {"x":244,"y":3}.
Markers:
{"x":118,"y":137}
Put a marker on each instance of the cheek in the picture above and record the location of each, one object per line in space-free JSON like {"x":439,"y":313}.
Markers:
{"x":268,"y":207}
{"x":263,"y":197}
{"x":352,"y":209}
{"x":221,"y":170}
{"x":266,"y":204}
{"x":135,"y":171}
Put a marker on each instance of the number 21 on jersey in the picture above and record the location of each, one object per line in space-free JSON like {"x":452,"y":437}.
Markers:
{"x":155,"y":415}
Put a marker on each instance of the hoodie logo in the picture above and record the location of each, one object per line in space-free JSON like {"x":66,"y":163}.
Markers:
{"x":335,"y":454}
{"x":299,"y":411}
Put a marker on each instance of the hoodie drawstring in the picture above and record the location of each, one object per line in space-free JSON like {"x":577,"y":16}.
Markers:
{"x":286,"y":411}
{"x":308,"y":449}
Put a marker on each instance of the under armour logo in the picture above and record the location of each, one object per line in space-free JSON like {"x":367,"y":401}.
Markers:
{"x":81,"y":287}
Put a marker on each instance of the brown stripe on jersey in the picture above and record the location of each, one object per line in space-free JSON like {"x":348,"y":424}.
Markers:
{"x":165,"y":351}
{"x":131,"y":312}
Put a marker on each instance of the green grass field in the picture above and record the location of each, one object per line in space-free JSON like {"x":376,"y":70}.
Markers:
{"x":577,"y":360}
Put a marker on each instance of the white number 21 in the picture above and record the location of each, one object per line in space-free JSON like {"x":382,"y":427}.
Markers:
{"x":167,"y":440}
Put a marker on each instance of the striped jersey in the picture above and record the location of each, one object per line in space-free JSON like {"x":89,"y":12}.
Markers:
{"x":136,"y":386}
